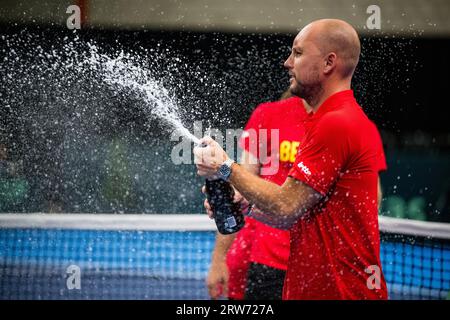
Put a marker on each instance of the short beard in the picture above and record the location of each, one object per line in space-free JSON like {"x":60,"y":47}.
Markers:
{"x":310,"y":93}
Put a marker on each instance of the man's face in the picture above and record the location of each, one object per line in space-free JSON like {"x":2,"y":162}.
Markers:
{"x":304,"y":65}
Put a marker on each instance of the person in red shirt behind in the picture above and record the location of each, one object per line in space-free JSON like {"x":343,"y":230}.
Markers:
{"x":329,"y":200}
{"x":252,"y":264}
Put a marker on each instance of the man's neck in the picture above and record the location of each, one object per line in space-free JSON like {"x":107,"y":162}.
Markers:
{"x":317,"y":101}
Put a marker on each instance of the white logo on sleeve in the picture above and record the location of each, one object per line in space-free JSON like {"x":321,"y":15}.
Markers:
{"x":304,"y":168}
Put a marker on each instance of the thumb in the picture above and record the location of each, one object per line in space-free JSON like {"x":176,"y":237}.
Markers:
{"x":206,"y":140}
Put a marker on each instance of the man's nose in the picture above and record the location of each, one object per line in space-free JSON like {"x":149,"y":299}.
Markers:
{"x":287,"y":63}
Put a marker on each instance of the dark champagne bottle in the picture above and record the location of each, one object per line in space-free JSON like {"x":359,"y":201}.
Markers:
{"x":227,"y":214}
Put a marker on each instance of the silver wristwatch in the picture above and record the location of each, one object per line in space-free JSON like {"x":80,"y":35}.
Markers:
{"x":224,"y":171}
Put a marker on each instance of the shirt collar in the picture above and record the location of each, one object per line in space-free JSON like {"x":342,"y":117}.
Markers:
{"x":331,"y":102}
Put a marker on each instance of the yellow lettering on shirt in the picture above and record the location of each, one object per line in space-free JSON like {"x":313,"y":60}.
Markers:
{"x":288,"y":150}
{"x":285,"y":150}
{"x":294,"y":148}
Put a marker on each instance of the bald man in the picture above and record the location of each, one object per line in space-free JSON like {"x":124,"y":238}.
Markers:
{"x":329,"y":200}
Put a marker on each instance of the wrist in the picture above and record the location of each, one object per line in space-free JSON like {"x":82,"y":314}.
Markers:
{"x":224,"y":171}
{"x":218,"y":261}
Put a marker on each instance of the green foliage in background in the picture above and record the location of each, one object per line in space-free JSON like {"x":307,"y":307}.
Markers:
{"x":13,"y":192}
{"x":118,"y":184}
{"x":398,"y":207}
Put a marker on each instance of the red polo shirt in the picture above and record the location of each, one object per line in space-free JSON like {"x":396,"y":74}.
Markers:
{"x":334,"y":243}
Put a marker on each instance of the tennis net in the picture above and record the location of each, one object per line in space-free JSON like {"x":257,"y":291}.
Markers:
{"x":98,"y":256}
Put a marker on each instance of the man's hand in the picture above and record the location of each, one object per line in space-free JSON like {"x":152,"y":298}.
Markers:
{"x":238,"y":198}
{"x":217,"y":279}
{"x":209,"y":158}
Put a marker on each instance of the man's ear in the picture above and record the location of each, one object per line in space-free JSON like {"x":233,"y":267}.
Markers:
{"x":330,"y":63}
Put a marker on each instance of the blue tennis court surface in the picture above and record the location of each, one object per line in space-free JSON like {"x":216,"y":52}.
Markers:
{"x":168,"y":265}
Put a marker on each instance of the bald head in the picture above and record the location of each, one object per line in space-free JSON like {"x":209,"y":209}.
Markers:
{"x":333,"y":35}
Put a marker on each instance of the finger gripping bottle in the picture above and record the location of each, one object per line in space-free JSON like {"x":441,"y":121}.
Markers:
{"x":227,"y":214}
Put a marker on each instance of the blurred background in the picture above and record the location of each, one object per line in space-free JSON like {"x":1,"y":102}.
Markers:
{"x":68,"y":145}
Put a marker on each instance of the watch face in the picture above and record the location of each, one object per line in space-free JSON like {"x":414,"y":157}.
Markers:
{"x":224,"y":171}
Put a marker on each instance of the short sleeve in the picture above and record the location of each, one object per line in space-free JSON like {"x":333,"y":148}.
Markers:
{"x":381,"y":158}
{"x":322,"y":155}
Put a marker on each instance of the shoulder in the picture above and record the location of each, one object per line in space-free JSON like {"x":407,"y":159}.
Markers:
{"x":350,"y":127}
{"x":261,"y":109}
{"x":274,"y":106}
{"x":343,"y":127}
{"x":264,"y":106}
{"x":287,"y":107}
{"x":335,"y":122}
{"x":288,"y":104}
